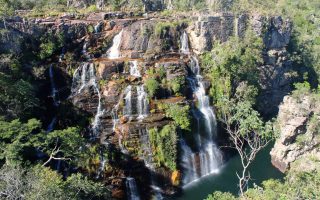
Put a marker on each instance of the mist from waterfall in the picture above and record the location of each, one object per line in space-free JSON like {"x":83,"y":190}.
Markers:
{"x":114,"y":51}
{"x":205,"y":157}
{"x":132,"y":190}
{"x":85,"y":78}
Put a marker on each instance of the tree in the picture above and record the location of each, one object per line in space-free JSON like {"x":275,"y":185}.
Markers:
{"x":21,"y":141}
{"x":248,"y":133}
{"x":42,"y":183}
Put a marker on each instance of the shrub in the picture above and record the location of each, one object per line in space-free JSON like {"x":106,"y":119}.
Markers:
{"x":164,"y":146}
{"x":301,"y":90}
{"x":177,"y":84}
{"x":152,"y":86}
{"x":180,"y":115}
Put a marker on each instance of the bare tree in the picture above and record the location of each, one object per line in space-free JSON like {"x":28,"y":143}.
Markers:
{"x":248,"y":133}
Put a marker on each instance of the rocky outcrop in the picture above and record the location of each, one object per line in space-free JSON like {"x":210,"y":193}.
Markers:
{"x":298,"y":123}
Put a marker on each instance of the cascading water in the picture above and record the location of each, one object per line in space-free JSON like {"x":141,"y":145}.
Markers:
{"x":54,"y":95}
{"x":54,"y":91}
{"x":114,"y":51}
{"x":98,"y":27}
{"x":132,"y":190}
{"x":134,"y":71}
{"x":51,"y":125}
{"x":207,"y":158}
{"x":102,"y":165}
{"x":84,"y":77}
{"x":84,"y":50}
{"x":142,"y":103}
{"x":127,"y":110}
{"x":184,"y":46}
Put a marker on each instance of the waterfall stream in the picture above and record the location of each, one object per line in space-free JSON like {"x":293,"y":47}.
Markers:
{"x":132,"y":190}
{"x":84,"y":78}
{"x":184,"y":46}
{"x":54,"y":90}
{"x":54,"y":95}
{"x":114,"y":51}
{"x":134,"y":71}
{"x":205,"y":158}
{"x":142,"y":103}
{"x":127,"y":110}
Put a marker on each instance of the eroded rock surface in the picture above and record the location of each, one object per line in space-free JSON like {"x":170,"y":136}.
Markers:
{"x":299,"y":139}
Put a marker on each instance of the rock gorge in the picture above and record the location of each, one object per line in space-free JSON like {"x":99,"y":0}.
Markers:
{"x":108,"y":68}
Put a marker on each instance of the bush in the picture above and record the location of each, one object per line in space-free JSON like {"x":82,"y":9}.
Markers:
{"x":50,"y":43}
{"x":180,"y":115}
{"x":164,"y":146}
{"x":301,"y":90}
{"x":176,"y":84}
{"x":152,"y":86}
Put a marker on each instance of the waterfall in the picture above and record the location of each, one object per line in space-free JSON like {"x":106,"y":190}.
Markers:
{"x":54,"y":91}
{"x":132,"y":190}
{"x":114,"y":51}
{"x":127,"y":110}
{"x":142,"y":103}
{"x":51,"y":125}
{"x":207,"y":158}
{"x":134,"y":71}
{"x":102,"y":164}
{"x":85,"y":77}
{"x":98,"y":27}
{"x":184,"y":48}
{"x":84,"y":50}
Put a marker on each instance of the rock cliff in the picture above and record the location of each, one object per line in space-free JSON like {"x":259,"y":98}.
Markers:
{"x":298,"y":122}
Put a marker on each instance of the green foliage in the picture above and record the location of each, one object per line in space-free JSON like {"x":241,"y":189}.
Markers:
{"x":50,"y":43}
{"x":152,"y":86}
{"x":185,"y":5}
{"x":221,"y":196}
{"x":90,"y":28}
{"x":42,"y":183}
{"x":15,"y":139}
{"x":164,"y":145}
{"x":233,"y":62}
{"x":176,"y":84}
{"x":180,"y":115}
{"x":18,"y":96}
{"x":302,"y":185}
{"x":20,"y":141}
{"x":301,"y":90}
